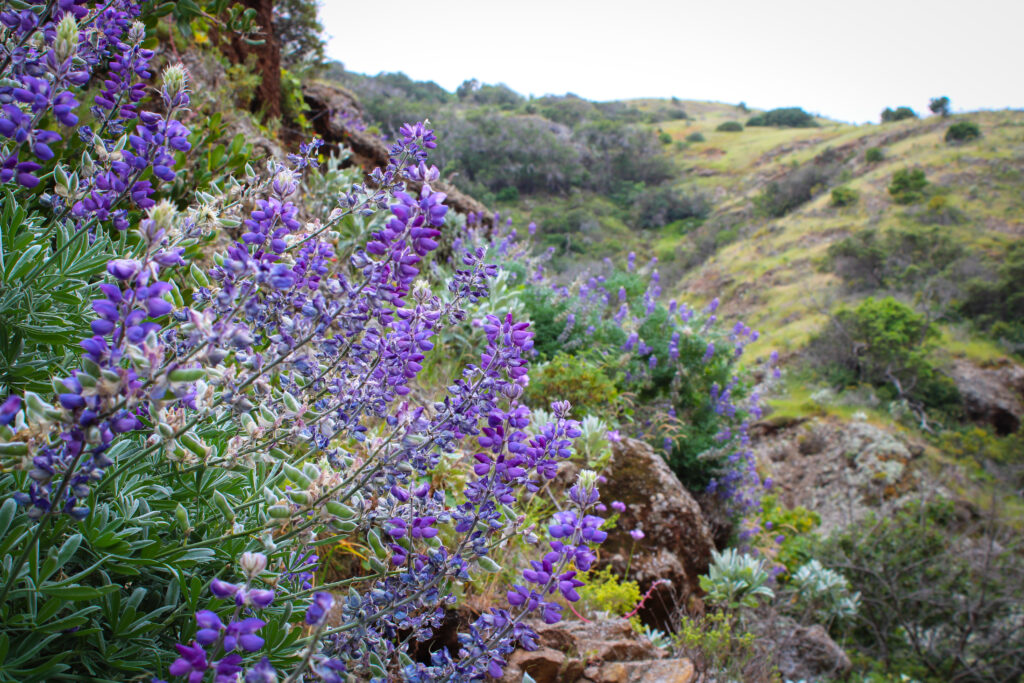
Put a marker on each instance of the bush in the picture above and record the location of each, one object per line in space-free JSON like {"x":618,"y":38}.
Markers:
{"x":798,"y":187}
{"x":695,"y":137}
{"x":997,"y":303}
{"x":735,"y":580}
{"x":898,"y":114}
{"x":844,"y":196}
{"x":962,"y":131}
{"x":909,"y":260}
{"x":664,"y":138}
{"x":730,"y":127}
{"x":721,"y":652}
{"x":577,"y":379}
{"x":786,"y":117}
{"x":656,"y":207}
{"x":885,"y":343}
{"x":908,"y":185}
{"x":939,"y":599}
{"x":873,"y":155}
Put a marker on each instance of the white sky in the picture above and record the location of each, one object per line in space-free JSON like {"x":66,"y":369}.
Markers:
{"x":845,"y":60}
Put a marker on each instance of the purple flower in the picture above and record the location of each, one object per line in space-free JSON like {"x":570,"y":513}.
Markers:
{"x":637,"y":534}
{"x":320,"y":607}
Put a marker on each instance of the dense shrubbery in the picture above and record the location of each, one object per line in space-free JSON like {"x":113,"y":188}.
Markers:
{"x":730,"y":127}
{"x":906,"y":260}
{"x":908,"y":185}
{"x":786,"y":117}
{"x":844,"y":196}
{"x":695,"y":137}
{"x":939,"y":105}
{"x":962,"y":131}
{"x":898,"y":114}
{"x":941,"y":599}
{"x":658,"y":206}
{"x":673,"y":361}
{"x":798,"y":187}
{"x":884,"y":343}
{"x":997,"y":301}
{"x":873,"y":155}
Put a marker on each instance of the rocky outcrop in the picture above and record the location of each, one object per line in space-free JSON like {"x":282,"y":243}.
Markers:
{"x":677,"y":544}
{"x":992,"y":395}
{"x":840,"y":469}
{"x":808,"y":653}
{"x":332,"y":107}
{"x":595,"y":652}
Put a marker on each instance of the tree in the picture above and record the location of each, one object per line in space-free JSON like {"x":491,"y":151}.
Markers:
{"x":939,"y":105}
{"x":898,"y":114}
{"x":299,"y":32}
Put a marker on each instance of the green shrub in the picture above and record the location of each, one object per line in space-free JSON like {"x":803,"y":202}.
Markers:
{"x":844,"y":196}
{"x":781,"y":196}
{"x":664,"y":138}
{"x":941,"y":597}
{"x":658,"y":206}
{"x":898,"y":114}
{"x":577,"y":379}
{"x":887,"y":344}
{"x":719,"y":651}
{"x":508,"y":194}
{"x":873,"y":155}
{"x":730,"y":127}
{"x":962,"y":131}
{"x":695,"y":137}
{"x":605,"y":593}
{"x":786,"y":117}
{"x":907,"y":186}
{"x":997,"y":302}
{"x":735,"y":580}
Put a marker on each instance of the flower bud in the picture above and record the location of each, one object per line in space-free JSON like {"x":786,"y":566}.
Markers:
{"x":137,"y":33}
{"x":66,"y":43}
{"x":175,"y":79}
{"x":253,"y":564}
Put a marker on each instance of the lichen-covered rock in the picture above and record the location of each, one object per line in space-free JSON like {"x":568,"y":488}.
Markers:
{"x":993,"y":395}
{"x":677,"y":542}
{"x":840,"y":469}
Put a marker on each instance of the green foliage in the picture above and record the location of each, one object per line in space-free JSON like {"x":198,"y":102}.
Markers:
{"x":735,"y":580}
{"x":873,"y":155}
{"x":939,"y":602}
{"x":798,"y":187}
{"x":730,"y":127}
{"x":997,"y":302}
{"x":885,"y":343}
{"x":579,"y":379}
{"x":656,"y":207}
{"x":794,"y":525}
{"x":939,"y":105}
{"x":719,"y":651}
{"x":890,"y":115}
{"x":608,"y":595}
{"x":299,"y":32}
{"x":664,"y":138}
{"x":823,"y":593}
{"x":844,"y":196}
{"x":962,"y":131}
{"x":695,"y":137}
{"x":46,"y":276}
{"x":785,"y":117}
{"x":914,"y":260}
{"x":908,"y":185}
{"x":293,"y":104}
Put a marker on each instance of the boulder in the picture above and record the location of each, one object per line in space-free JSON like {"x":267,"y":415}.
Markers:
{"x":677,"y":544}
{"x":808,"y":653}
{"x":992,"y":395}
{"x":607,"y":651}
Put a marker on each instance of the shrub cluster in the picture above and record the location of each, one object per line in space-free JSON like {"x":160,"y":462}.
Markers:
{"x":890,"y":115}
{"x":908,"y":185}
{"x":962,"y":131}
{"x":786,"y":117}
{"x":730,"y":127}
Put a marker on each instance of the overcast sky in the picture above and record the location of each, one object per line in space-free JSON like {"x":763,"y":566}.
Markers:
{"x":845,"y":60}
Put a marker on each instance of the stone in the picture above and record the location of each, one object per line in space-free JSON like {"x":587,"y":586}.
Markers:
{"x":809,"y":653}
{"x":677,"y":544}
{"x":543,"y":664}
{"x":992,"y":395}
{"x":661,"y":671}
